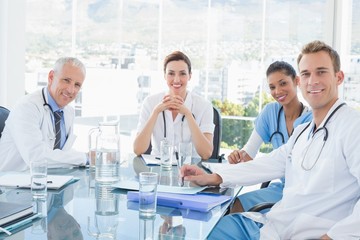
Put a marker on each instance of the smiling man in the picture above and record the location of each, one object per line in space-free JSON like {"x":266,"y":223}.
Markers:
{"x":320,"y":163}
{"x":41,"y":124}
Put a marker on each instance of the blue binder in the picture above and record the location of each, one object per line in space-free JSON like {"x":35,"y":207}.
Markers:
{"x":199,"y":202}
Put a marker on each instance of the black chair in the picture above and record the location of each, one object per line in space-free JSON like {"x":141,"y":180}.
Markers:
{"x":216,"y":139}
{"x":4,"y":113}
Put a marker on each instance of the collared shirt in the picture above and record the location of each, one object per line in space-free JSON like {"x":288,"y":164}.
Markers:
{"x":55,"y":108}
{"x":176,"y":130}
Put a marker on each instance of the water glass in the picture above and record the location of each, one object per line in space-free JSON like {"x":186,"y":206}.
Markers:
{"x":185,"y":153}
{"x":148,"y":182}
{"x":38,"y":172}
{"x":166,"y":154}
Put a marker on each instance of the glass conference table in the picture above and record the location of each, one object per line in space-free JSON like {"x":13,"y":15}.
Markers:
{"x":77,"y":210}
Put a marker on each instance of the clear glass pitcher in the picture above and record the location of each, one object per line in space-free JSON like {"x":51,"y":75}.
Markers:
{"x":107,"y":162}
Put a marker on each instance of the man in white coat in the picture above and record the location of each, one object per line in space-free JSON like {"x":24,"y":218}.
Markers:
{"x":29,"y":131}
{"x":320,"y":162}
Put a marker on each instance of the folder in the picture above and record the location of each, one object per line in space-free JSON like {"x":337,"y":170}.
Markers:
{"x":175,"y":212}
{"x":199,"y":202}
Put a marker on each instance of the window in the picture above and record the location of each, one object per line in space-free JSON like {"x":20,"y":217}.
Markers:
{"x":230,"y":44}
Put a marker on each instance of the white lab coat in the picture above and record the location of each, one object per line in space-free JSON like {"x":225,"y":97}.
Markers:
{"x":29,"y":134}
{"x":200,"y":108}
{"x":323,"y":200}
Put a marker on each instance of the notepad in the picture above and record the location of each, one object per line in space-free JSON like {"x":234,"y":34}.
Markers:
{"x":152,"y":160}
{"x":134,"y":185}
{"x":198,"y":202}
{"x":11,"y":211}
{"x":19,"y":180}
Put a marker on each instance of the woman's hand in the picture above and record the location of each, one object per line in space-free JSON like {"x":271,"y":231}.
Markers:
{"x":238,"y":156}
{"x":197,"y":176}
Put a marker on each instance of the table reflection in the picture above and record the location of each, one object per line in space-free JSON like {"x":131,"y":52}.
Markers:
{"x":146,"y":227}
{"x":106,"y":213}
{"x":172,"y":228}
{"x":60,"y":224}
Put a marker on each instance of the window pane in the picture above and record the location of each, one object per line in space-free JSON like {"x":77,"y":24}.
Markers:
{"x":352,"y":63}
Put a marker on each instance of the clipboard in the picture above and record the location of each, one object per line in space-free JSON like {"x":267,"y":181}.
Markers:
{"x":18,"y":180}
{"x":151,"y":160}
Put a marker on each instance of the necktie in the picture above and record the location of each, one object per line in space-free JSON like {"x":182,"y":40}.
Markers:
{"x":58,"y":115}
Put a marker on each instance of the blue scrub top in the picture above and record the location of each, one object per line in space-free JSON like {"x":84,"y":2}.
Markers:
{"x":266,"y":124}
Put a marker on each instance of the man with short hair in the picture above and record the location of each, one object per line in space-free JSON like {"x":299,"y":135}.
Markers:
{"x":320,"y":162}
{"x":41,"y":124}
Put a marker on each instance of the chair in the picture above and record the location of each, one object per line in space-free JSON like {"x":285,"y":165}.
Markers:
{"x":216,"y":139}
{"x":217,"y":136}
{"x":4,"y":113}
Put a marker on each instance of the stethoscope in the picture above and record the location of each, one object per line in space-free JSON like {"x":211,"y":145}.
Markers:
{"x":45,"y":103}
{"x":48,"y":105}
{"x":323,"y":128}
{"x":278,"y":124}
{"x":182,"y":123}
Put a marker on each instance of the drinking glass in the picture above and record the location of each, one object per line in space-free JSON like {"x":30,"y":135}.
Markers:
{"x":166,"y":154}
{"x":38,"y":172}
{"x":148,"y":182}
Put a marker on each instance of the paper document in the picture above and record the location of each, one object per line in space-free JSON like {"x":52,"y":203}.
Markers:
{"x":198,"y":202}
{"x":211,"y":167}
{"x":23,"y":180}
{"x":134,"y":185}
{"x":155,"y":160}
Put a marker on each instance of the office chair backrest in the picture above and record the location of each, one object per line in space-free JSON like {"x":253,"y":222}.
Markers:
{"x":217,"y":135}
{"x":216,"y":139}
{"x":4,"y":113}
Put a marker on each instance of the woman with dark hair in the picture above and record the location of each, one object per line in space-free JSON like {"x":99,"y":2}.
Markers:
{"x":177,"y":114}
{"x":274,"y":125}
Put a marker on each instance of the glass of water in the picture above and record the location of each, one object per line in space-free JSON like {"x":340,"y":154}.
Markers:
{"x":166,"y":154}
{"x":38,"y":172}
{"x":185,"y":153}
{"x":148,"y":182}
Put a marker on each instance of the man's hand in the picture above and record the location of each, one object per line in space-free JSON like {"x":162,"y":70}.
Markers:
{"x":196,"y":175}
{"x":325,"y":237}
{"x":238,"y":156}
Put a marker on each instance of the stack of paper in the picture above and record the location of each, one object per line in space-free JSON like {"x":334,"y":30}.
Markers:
{"x":151,"y":160}
{"x":22,"y":180}
{"x":134,"y":185}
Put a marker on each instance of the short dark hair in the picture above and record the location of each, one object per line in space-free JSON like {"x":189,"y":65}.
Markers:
{"x":177,"y":56}
{"x":281,"y":66}
{"x":317,"y":46}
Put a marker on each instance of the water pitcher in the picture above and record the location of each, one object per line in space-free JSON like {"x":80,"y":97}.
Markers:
{"x":107,"y":163}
